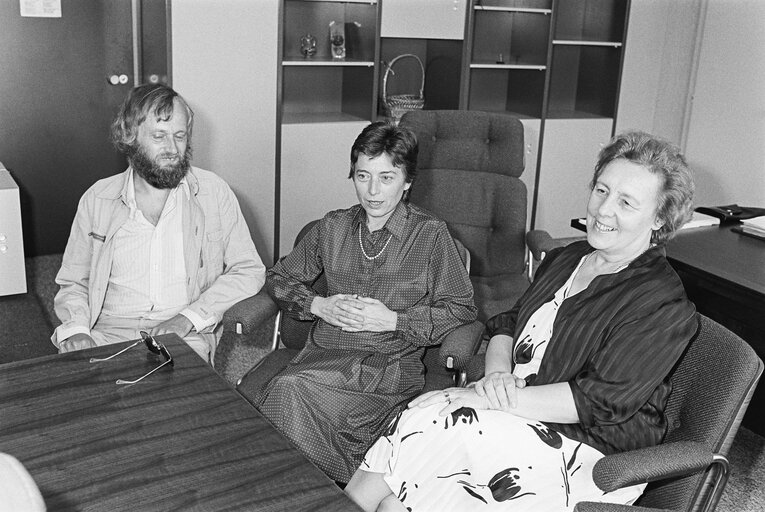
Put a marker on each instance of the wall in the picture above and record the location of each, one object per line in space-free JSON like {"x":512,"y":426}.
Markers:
{"x":726,"y":133}
{"x":658,"y":66}
{"x":225,"y":62}
{"x":691,"y":74}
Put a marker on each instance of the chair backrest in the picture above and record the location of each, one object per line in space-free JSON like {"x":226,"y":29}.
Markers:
{"x":294,"y":333}
{"x":469,"y":168}
{"x":711,"y":389}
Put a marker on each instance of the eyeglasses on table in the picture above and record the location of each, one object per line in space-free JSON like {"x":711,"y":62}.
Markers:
{"x":153,"y":345}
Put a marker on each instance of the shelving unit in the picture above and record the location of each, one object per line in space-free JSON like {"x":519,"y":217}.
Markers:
{"x":506,"y":51}
{"x":320,"y":88}
{"x":582,"y":91}
{"x":586,"y":59}
{"x":324,"y":103}
{"x":556,"y":65}
{"x":442,"y":60}
{"x":434,"y":31}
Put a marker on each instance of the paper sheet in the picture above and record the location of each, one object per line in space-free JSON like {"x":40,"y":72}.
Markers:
{"x":40,"y":8}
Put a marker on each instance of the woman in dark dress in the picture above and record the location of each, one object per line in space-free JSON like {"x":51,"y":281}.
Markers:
{"x":577,"y":369}
{"x":396,"y":284}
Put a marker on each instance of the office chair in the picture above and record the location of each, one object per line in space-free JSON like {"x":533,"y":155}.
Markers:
{"x":445,"y":364}
{"x":468,"y":174}
{"x":688,"y":471}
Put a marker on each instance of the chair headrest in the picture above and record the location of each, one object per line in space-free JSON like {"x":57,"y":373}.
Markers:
{"x":470,"y":140}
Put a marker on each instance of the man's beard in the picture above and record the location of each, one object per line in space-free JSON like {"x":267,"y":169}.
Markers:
{"x":167,"y":176}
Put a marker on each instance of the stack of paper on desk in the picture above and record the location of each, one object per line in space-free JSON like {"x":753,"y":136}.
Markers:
{"x":701,"y":219}
{"x":755,"y":226}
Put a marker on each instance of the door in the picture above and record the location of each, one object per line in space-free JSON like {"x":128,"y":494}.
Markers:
{"x":57,"y":101}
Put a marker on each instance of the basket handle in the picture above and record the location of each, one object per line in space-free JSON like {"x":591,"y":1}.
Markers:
{"x":389,"y":69}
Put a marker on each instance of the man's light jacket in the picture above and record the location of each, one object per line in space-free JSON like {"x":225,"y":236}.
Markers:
{"x":222,"y":264}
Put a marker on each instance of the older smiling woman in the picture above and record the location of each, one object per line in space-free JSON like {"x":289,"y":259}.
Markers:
{"x":576,"y":369}
{"x":396,"y":284}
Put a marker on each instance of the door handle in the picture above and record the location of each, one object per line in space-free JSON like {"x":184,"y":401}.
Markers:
{"x":118,"y":79}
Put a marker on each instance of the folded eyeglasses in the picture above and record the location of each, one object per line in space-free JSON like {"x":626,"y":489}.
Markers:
{"x":153,"y":345}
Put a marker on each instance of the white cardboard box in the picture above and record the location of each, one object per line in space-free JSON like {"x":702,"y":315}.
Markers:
{"x":12,"y":274}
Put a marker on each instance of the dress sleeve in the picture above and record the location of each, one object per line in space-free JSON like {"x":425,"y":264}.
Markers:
{"x":451,"y":303}
{"x":637,"y":354}
{"x":290,"y":280}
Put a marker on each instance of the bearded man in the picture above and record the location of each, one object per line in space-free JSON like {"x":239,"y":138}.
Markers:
{"x":161,"y":247}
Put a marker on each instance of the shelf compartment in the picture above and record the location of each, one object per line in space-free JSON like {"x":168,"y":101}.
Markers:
{"x":313,"y":17}
{"x":590,"y":20}
{"x":489,"y":65}
{"x":516,"y":91}
{"x":319,"y":117}
{"x":544,"y":6}
{"x":329,"y":63}
{"x":326,"y":93}
{"x":442,"y":60}
{"x":510,"y":37}
{"x":569,"y":42}
{"x":371,"y":2}
{"x":584,"y":81}
{"x":512,"y":9}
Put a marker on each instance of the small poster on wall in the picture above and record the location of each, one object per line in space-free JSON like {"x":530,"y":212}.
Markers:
{"x":40,"y":8}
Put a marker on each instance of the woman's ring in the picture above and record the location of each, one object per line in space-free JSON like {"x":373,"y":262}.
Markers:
{"x":446,"y":395}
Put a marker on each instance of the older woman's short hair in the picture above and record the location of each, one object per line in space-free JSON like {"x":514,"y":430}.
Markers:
{"x":397,"y":142}
{"x":664,"y":159}
{"x":143,"y":101}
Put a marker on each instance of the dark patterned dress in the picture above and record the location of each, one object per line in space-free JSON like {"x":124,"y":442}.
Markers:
{"x":337,"y":396}
{"x":492,"y":460}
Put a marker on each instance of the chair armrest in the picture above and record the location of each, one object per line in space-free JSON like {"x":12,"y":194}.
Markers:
{"x":476,"y":367}
{"x":590,"y":506}
{"x":539,"y":243}
{"x":459,"y":346}
{"x":666,"y":460}
{"x":253,"y":383}
{"x":248,"y":314}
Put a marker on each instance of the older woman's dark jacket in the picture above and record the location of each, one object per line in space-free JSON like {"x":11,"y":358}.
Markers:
{"x":614,"y":343}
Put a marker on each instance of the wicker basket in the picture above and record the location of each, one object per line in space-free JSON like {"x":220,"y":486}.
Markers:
{"x":397,"y":105}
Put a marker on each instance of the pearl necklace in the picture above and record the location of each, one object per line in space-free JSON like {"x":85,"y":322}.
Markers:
{"x":367,"y":256}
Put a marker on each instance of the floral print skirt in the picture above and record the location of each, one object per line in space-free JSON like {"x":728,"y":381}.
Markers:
{"x":485,"y":460}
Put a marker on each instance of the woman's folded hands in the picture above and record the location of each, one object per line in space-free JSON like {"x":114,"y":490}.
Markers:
{"x":497,"y":391}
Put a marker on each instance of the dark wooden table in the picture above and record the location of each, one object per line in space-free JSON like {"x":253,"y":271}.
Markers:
{"x":182,"y":439}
